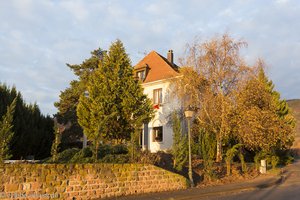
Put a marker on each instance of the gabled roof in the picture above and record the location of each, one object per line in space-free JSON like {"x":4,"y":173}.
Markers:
{"x":159,"y":67}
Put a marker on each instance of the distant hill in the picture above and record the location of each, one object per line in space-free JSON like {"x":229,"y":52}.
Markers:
{"x":294,"y":104}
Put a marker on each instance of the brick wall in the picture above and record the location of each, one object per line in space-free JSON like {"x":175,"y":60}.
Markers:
{"x":84,"y":181}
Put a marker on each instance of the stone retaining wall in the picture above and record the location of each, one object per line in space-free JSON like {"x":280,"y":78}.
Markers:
{"x":84,"y":181}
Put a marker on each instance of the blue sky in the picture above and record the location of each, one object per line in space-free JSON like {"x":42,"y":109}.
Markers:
{"x":38,"y":37}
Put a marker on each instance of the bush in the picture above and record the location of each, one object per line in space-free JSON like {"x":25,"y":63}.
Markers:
{"x":82,"y":156}
{"x":146,"y":157}
{"x":66,"y":155}
{"x":119,"y":149}
{"x":230,"y":154}
{"x":243,"y":163}
{"x":115,"y":158}
{"x":274,"y":161}
{"x":208,"y":149}
{"x":286,"y":159}
{"x":104,"y":150}
{"x":106,"y":154}
{"x":258,"y":157}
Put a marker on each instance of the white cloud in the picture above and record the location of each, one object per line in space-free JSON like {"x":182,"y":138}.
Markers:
{"x":282,"y":1}
{"x":76,"y":8}
{"x":24,"y":8}
{"x":37,"y":38}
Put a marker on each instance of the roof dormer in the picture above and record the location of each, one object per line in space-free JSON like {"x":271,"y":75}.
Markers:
{"x":154,"y":67}
{"x":141,"y":72}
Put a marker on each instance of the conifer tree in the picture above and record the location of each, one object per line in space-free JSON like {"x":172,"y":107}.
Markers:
{"x":281,"y":106}
{"x":69,"y":98}
{"x":115,"y":105}
{"x":262,"y":126}
{"x":32,"y":130}
{"x":179,"y":147}
{"x":281,"y":109}
{"x":6,"y":132}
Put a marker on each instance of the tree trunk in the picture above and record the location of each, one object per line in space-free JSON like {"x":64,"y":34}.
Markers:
{"x":219,"y":150}
{"x":228,"y":168}
{"x":96,"y":151}
{"x":221,"y":132}
{"x":132,"y":147}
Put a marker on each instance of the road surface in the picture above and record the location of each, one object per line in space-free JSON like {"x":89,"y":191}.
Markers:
{"x":287,"y":189}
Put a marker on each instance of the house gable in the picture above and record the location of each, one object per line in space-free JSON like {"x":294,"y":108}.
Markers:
{"x":156,"y":67}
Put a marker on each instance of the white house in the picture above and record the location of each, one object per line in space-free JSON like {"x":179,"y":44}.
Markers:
{"x":155,"y":73}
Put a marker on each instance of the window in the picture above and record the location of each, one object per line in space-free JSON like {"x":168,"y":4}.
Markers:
{"x":157,"y":134}
{"x":157,"y":96}
{"x":141,"y":75}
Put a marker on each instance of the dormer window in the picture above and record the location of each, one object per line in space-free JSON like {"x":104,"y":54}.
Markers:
{"x":141,"y":75}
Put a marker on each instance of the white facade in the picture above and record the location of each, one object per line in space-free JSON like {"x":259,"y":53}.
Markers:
{"x":155,"y":74}
{"x":162,"y":116}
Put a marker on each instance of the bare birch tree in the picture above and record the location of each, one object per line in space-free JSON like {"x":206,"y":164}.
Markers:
{"x":212,"y":71}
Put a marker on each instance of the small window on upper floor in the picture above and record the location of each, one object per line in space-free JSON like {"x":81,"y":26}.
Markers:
{"x":157,"y":96}
{"x":141,"y":75}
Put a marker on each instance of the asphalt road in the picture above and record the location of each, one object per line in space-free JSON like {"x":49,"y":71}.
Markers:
{"x":287,"y":189}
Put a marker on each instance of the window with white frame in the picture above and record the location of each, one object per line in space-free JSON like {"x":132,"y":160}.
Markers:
{"x":141,"y":75}
{"x":157,"y":96}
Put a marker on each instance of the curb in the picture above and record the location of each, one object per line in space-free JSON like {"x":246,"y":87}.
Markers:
{"x":277,"y":181}
{"x":195,"y":193}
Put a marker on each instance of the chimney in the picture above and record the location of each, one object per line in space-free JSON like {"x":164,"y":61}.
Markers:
{"x":170,"y":56}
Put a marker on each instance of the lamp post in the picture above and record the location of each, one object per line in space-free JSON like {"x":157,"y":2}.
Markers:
{"x":189,"y":115}
{"x":84,"y":142}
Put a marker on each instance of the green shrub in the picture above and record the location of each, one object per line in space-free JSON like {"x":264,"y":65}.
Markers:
{"x":287,"y":159}
{"x":115,"y":158}
{"x":66,"y":155}
{"x":146,"y":157}
{"x":82,"y":156}
{"x":119,"y":149}
{"x":258,"y":157}
{"x":274,"y":161}
{"x":243,"y":163}
{"x":104,"y":150}
{"x":180,"y":144}
{"x":230,"y":154}
{"x":208,"y":149}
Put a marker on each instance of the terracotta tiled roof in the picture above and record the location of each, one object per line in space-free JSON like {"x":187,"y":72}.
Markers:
{"x":159,"y":67}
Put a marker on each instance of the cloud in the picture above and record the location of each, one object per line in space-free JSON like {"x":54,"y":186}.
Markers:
{"x":77,"y":9}
{"x":37,"y":38}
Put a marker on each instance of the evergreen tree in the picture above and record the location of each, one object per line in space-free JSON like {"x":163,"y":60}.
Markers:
{"x":179,"y":147}
{"x":115,"y":105}
{"x":208,"y":152}
{"x":262,"y":124}
{"x":282,"y":108}
{"x":69,"y":98}
{"x":32,"y":130}
{"x":6,"y":132}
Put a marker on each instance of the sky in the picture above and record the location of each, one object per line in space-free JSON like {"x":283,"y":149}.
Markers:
{"x":38,"y":37}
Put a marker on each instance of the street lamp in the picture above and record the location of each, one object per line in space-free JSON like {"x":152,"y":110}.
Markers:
{"x":189,"y":115}
{"x":84,"y":142}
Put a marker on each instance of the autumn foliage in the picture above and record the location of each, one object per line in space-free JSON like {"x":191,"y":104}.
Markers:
{"x":234,"y":101}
